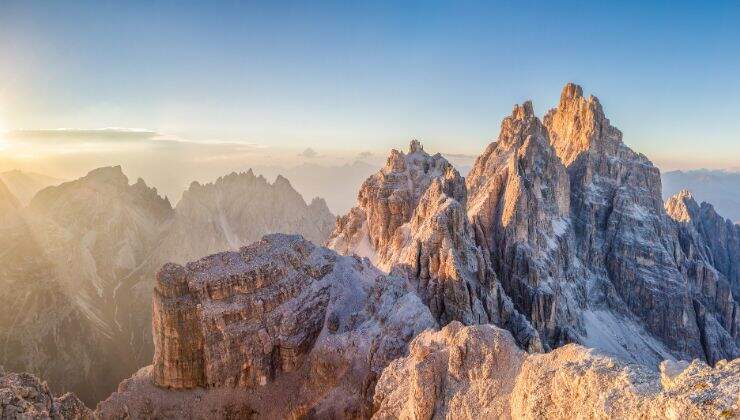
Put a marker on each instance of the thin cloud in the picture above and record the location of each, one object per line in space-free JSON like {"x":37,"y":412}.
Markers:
{"x":460,"y":155}
{"x":79,"y":134}
{"x":364,"y":155}
{"x":308,"y":153}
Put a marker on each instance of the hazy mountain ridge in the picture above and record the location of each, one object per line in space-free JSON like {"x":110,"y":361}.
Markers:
{"x":89,"y":250}
{"x":24,"y":185}
{"x":337,"y":184}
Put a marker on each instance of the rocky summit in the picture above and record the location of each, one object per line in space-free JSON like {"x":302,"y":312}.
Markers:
{"x":577,"y":233}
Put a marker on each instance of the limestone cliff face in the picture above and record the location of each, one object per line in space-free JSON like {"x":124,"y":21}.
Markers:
{"x":713,"y":238}
{"x":281,"y":320}
{"x":478,"y":372}
{"x":622,"y":234}
{"x":519,"y":204}
{"x":422,"y":233}
{"x":575,"y":228}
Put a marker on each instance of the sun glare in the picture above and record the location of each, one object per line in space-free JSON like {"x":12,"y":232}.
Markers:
{"x":3,"y":142}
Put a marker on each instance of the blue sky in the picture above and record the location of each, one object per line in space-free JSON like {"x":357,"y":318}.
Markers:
{"x":369,"y":76}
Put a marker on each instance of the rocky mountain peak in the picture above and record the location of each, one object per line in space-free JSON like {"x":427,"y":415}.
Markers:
{"x":112,"y":175}
{"x":411,"y":219}
{"x":578,"y":124}
{"x":319,"y":204}
{"x":523,"y":111}
{"x":387,"y":201}
{"x":415,"y":146}
{"x":96,"y":193}
{"x":238,"y":209}
{"x":571,"y":92}
{"x":282,"y":182}
{"x":521,"y":126}
{"x":519,"y":201}
{"x":682,"y":206}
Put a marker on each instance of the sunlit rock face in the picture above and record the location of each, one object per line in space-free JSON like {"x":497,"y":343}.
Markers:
{"x":520,"y":207}
{"x":479,"y":372}
{"x":624,"y":236}
{"x":387,"y":201}
{"x":411,"y":219}
{"x":575,"y":229}
{"x":282,"y":320}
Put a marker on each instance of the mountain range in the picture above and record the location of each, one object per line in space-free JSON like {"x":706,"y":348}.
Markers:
{"x":553,"y":278}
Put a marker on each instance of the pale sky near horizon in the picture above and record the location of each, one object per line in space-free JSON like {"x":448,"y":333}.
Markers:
{"x":264,"y":81}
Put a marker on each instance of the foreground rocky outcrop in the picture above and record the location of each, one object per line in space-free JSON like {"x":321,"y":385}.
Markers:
{"x":282,"y":320}
{"x":479,"y":372}
{"x":23,"y":396}
{"x":411,"y":219}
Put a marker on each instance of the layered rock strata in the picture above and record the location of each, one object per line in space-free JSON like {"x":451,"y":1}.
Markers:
{"x":283,"y":318}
